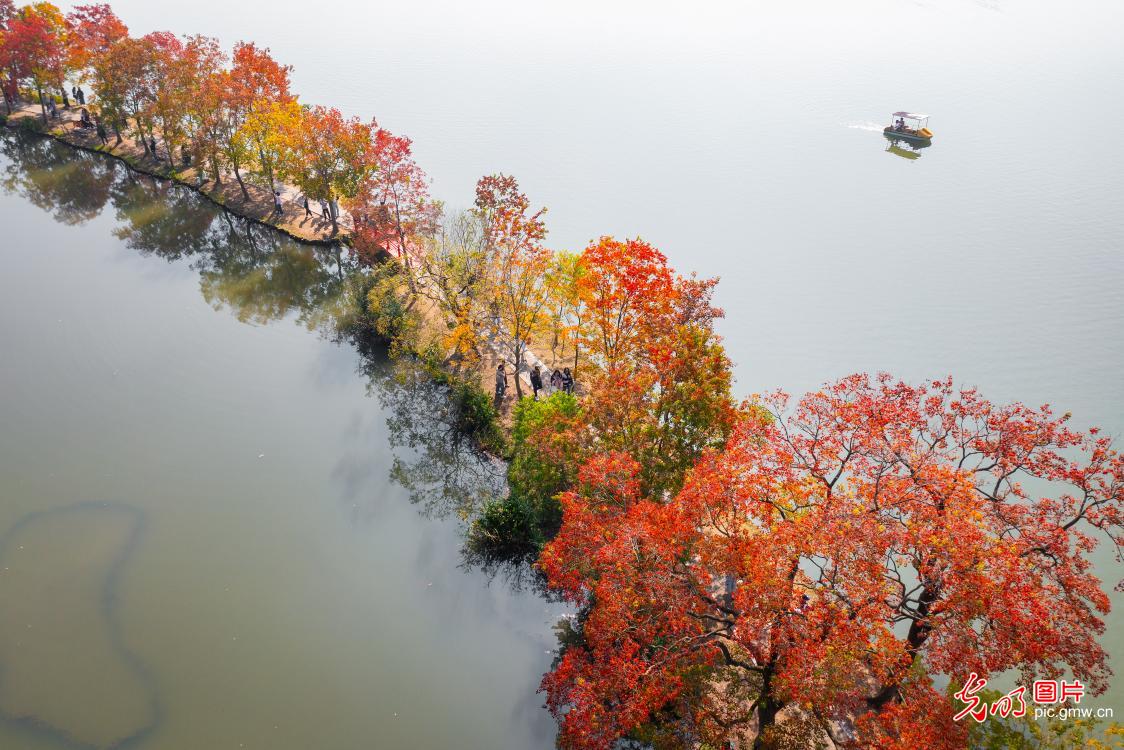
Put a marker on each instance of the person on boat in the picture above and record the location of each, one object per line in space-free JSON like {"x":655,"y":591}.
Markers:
{"x":899,"y":125}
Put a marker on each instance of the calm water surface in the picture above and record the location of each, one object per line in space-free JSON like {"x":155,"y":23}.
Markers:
{"x":741,"y":138}
{"x":202,"y":543}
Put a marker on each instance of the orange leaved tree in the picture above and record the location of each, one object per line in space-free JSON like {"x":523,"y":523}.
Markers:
{"x":518,"y":266}
{"x":821,"y":569}
{"x":393,"y":208}
{"x":34,"y":48}
{"x":327,"y":155}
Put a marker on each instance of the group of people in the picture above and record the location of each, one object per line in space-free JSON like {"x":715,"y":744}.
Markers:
{"x":48,"y":101}
{"x":87,"y":122}
{"x":560,"y":380}
{"x":325,"y":208}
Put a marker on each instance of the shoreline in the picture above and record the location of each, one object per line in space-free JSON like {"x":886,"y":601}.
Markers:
{"x":227,"y":195}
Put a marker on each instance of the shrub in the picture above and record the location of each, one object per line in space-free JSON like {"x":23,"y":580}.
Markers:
{"x":544,"y":458}
{"x":30,"y":125}
{"x":505,"y":529}
{"x":477,"y":416}
{"x":386,"y":309}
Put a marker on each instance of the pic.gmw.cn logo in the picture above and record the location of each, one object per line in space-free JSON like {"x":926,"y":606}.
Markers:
{"x":1046,"y":694}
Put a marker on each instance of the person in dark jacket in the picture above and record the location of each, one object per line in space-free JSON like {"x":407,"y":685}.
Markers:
{"x":567,"y":380}
{"x":536,"y":381}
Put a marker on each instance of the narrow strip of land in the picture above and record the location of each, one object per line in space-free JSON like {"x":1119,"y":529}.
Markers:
{"x":293,"y":220}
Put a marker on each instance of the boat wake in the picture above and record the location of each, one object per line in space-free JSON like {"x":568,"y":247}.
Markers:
{"x":871,"y":126}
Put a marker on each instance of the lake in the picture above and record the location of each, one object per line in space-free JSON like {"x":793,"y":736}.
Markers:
{"x":743,"y":139}
{"x":203,"y":545}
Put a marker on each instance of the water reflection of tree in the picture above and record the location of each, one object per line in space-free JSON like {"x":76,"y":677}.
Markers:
{"x":160,"y":218}
{"x":72,"y":185}
{"x":262,"y":276}
{"x":259,"y":274}
{"x":269,"y":286}
{"x":441,"y":468}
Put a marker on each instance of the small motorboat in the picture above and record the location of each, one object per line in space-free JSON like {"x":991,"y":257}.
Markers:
{"x":909,"y":126}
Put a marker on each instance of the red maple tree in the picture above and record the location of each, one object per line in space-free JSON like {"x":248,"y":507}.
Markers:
{"x":828,"y":562}
{"x":393,"y":208}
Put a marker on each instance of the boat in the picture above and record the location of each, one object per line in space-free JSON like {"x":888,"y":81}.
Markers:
{"x":909,"y":126}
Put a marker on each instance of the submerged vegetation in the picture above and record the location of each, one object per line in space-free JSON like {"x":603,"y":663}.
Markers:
{"x":771,"y":573}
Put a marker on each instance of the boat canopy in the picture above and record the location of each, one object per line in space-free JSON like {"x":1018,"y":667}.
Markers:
{"x":911,"y":115}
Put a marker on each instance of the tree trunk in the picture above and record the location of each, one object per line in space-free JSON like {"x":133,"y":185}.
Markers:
{"x":42,"y":104}
{"x":518,"y":367}
{"x":767,"y":710}
{"x":918,"y":633}
{"x":268,"y":167}
{"x":241,"y":184}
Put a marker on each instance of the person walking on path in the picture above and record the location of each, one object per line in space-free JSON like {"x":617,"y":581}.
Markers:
{"x":65,"y":100}
{"x":556,"y":380}
{"x":102,"y":134}
{"x":536,"y":382}
{"x":307,"y":210}
{"x":567,"y":380}
{"x":324,"y":209}
{"x":80,"y":95}
{"x":277,"y":203}
{"x":501,"y":383}
{"x":51,"y":109}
